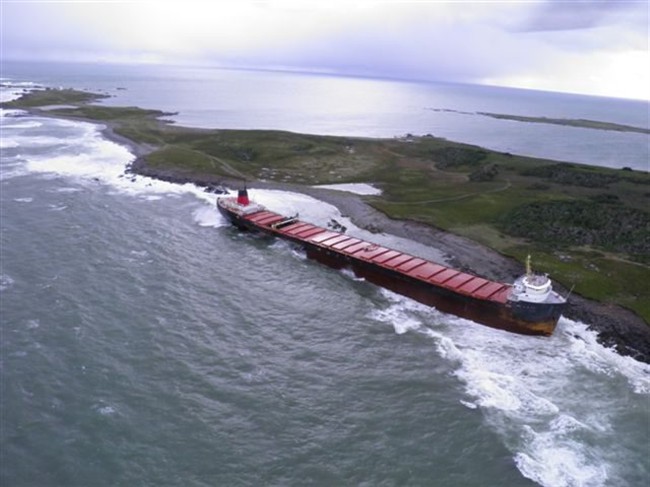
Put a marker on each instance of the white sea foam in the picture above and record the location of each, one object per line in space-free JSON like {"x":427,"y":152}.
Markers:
{"x":10,"y":113}
{"x":57,"y":207}
{"x":11,"y":90}
{"x":5,"y":282}
{"x":208,"y":216}
{"x":105,"y":410}
{"x":79,"y":151}
{"x":526,"y":388}
{"x":8,"y":144}
{"x":33,"y":324}
{"x":400,"y":314}
{"x":349,"y":273}
{"x":11,"y":83}
{"x":10,"y":171}
{"x":9,"y":94}
{"x":22,"y":125}
{"x":24,"y":200}
{"x":356,"y":188}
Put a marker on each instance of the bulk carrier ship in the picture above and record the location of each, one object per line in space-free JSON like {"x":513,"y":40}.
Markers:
{"x":527,"y":306}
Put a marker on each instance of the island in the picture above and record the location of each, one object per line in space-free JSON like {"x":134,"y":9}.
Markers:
{"x":568,"y":122}
{"x":588,"y":227}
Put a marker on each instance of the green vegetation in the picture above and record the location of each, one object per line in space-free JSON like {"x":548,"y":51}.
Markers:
{"x":587,"y":226}
{"x":575,"y":222}
{"x":48,"y":97}
{"x":104,"y":113}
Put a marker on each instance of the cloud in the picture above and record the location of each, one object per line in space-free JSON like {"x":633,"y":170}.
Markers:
{"x":531,"y":44}
{"x":558,"y":15}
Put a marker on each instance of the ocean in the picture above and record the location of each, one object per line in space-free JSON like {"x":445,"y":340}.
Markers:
{"x":146,"y":342}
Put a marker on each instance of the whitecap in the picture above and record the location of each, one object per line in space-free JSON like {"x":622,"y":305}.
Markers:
{"x":105,"y":410}
{"x":469,"y":405}
{"x":363,"y":189}
{"x":33,"y":324}
{"x":24,"y":200}
{"x":10,"y":83}
{"x":349,"y":273}
{"x":5,"y":282}
{"x":585,"y":350}
{"x":18,"y":171}
{"x":554,"y":463}
{"x":398,"y":317}
{"x":6,"y":143}
{"x":23,"y":125}
{"x":10,"y":112}
{"x":521,"y":382}
{"x":401,"y":313}
{"x":140,"y":253}
{"x":208,"y":216}
{"x":92,"y":157}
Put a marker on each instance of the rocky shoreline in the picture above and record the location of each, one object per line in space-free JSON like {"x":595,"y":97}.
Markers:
{"x":616,"y":326}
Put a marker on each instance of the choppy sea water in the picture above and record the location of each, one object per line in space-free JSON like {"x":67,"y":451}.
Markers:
{"x":146,"y":342}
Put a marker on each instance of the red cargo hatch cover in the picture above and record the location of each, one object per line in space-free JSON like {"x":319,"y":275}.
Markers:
{"x":255,"y":217}
{"x":268,"y":221}
{"x":444,"y":276}
{"x":501,"y":296}
{"x":472,"y":285}
{"x":306,"y":233}
{"x":399,"y":260}
{"x":457,"y":281}
{"x":426,"y":270}
{"x":334,"y":240}
{"x":324,"y":236}
{"x":356,"y":247}
{"x":411,"y":264}
{"x":293,"y":229}
{"x":348,"y":243}
{"x":488,"y":290}
{"x":370,"y":251}
{"x":387,"y":256}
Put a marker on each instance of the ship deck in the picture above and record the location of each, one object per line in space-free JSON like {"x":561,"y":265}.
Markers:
{"x":354,"y":248}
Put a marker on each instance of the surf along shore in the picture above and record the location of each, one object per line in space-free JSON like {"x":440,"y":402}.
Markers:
{"x":586,"y":226}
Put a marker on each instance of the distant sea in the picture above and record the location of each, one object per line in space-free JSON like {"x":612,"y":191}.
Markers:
{"x":143,"y":341}
{"x":217,"y":98}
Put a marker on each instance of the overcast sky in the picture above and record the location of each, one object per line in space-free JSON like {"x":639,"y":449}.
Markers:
{"x":595,"y":47}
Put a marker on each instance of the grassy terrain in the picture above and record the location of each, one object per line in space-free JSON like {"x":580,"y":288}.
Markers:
{"x":586,"y":226}
{"x":54,"y":97}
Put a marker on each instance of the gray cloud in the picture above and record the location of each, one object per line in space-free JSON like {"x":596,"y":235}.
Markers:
{"x":560,"y":15}
{"x":554,"y":44}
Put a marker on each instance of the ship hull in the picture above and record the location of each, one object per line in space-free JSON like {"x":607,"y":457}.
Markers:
{"x":516,"y":317}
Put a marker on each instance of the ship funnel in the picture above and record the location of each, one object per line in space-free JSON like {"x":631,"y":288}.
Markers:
{"x":242,"y":197}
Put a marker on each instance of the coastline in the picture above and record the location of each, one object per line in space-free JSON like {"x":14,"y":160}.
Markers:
{"x":617,"y":327}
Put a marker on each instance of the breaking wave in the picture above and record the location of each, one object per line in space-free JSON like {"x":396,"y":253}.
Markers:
{"x":525,"y":388}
